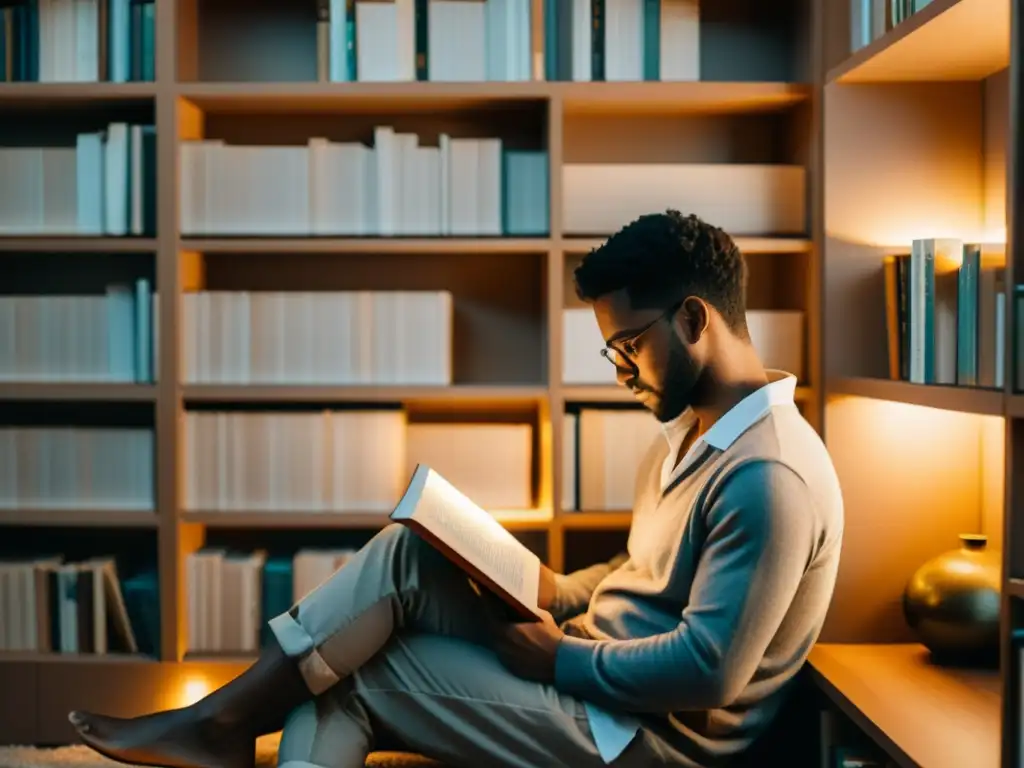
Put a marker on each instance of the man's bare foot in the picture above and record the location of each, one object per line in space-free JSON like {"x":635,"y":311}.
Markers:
{"x":177,"y":738}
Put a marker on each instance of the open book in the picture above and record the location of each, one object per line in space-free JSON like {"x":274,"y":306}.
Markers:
{"x":472,"y":539}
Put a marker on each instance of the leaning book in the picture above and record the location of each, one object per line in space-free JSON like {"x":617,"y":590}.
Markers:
{"x":472,"y":539}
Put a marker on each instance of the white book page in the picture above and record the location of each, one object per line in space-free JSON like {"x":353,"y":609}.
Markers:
{"x":473,"y":533}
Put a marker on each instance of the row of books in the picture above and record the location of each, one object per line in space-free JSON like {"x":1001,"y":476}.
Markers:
{"x":60,"y":467}
{"x":64,"y":41}
{"x":622,"y":40}
{"x":50,"y":605}
{"x":328,"y":337}
{"x":104,"y":185}
{"x":870,"y":19}
{"x":945,"y":311}
{"x":356,"y":461}
{"x":462,"y":186}
{"x":80,"y":338}
{"x":232,"y":595}
{"x":777,"y":335}
{"x":294,"y":337}
{"x":601,"y":452}
{"x":436,"y":40}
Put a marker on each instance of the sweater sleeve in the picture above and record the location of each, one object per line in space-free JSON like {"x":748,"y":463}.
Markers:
{"x":759,"y":541}
{"x":574,"y":590}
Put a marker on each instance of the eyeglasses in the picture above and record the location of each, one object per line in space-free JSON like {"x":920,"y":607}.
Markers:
{"x":622,"y":350}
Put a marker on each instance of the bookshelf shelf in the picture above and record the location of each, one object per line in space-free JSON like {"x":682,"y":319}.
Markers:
{"x":595,"y":521}
{"x":636,"y":98}
{"x":677,"y":98}
{"x":83,"y":244}
{"x":526,"y":521}
{"x":119,"y":659}
{"x":69,"y":94}
{"x":357,"y":97}
{"x":968,"y":400}
{"x":400,"y":245}
{"x":924,"y":716}
{"x":947,"y":40}
{"x":362,"y":394}
{"x":78,"y":518}
{"x":748,"y":245}
{"x":84,"y":392}
{"x":597,"y":393}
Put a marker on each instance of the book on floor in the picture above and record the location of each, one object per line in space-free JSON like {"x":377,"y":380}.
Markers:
{"x":472,"y":539}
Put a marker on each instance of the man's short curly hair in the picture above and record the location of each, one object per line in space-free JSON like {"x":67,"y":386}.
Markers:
{"x":665,"y":257}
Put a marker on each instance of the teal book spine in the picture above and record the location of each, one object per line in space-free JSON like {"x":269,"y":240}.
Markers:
{"x":967,"y":318}
{"x":550,"y":40}
{"x":652,"y":40}
{"x":142,"y":602}
{"x":277,"y":593}
{"x":597,"y":40}
{"x":351,"y":39}
{"x":422,"y":39}
{"x":143,"y":332}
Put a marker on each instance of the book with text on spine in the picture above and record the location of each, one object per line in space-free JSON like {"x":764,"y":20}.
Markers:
{"x":472,"y":539}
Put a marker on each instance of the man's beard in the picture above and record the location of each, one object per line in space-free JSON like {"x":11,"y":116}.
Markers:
{"x":676,"y":393}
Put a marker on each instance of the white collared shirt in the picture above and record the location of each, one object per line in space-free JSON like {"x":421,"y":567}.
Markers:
{"x":780,"y":390}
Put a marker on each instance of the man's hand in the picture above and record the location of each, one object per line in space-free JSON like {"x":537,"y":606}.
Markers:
{"x":546,"y":589}
{"x":528,"y":649}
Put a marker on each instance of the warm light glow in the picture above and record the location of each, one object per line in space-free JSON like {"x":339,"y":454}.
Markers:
{"x":194,"y":688}
{"x":948,"y":462}
{"x":996,"y":236}
{"x":898,"y":237}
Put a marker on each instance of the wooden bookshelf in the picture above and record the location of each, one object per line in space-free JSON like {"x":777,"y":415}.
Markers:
{"x":779,"y":86}
{"x":947,"y":40}
{"x":919,"y":463}
{"x":748,"y":245}
{"x":514,"y":521}
{"x":84,"y":244}
{"x":454,"y":395}
{"x":111,"y":393}
{"x":288,"y":245}
{"x":34,"y":95}
{"x":988,"y":402}
{"x":79,"y":518}
{"x":578,"y":98}
{"x":922,"y":715}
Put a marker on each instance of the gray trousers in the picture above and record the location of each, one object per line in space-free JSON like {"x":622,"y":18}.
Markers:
{"x":394,"y":644}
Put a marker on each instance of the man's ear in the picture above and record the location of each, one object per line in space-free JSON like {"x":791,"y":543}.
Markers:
{"x":693,"y":319}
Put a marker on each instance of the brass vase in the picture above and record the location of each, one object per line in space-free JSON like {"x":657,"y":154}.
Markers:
{"x":952,"y":603}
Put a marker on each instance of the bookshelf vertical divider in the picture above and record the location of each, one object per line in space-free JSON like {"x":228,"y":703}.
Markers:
{"x":1012,"y":750}
{"x":555,"y":288}
{"x":168,"y":405}
{"x":814,"y":409}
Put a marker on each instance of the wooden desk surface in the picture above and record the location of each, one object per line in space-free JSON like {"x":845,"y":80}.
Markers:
{"x":924,"y":716}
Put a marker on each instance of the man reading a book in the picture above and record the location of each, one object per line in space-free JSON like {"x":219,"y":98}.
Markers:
{"x":677,"y":653}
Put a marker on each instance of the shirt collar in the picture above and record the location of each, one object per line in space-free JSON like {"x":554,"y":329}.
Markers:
{"x":780,"y":390}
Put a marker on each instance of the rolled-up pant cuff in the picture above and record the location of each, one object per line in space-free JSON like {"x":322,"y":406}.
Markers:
{"x":298,"y":644}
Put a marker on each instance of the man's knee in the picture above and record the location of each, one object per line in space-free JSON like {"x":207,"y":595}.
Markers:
{"x":408,"y":548}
